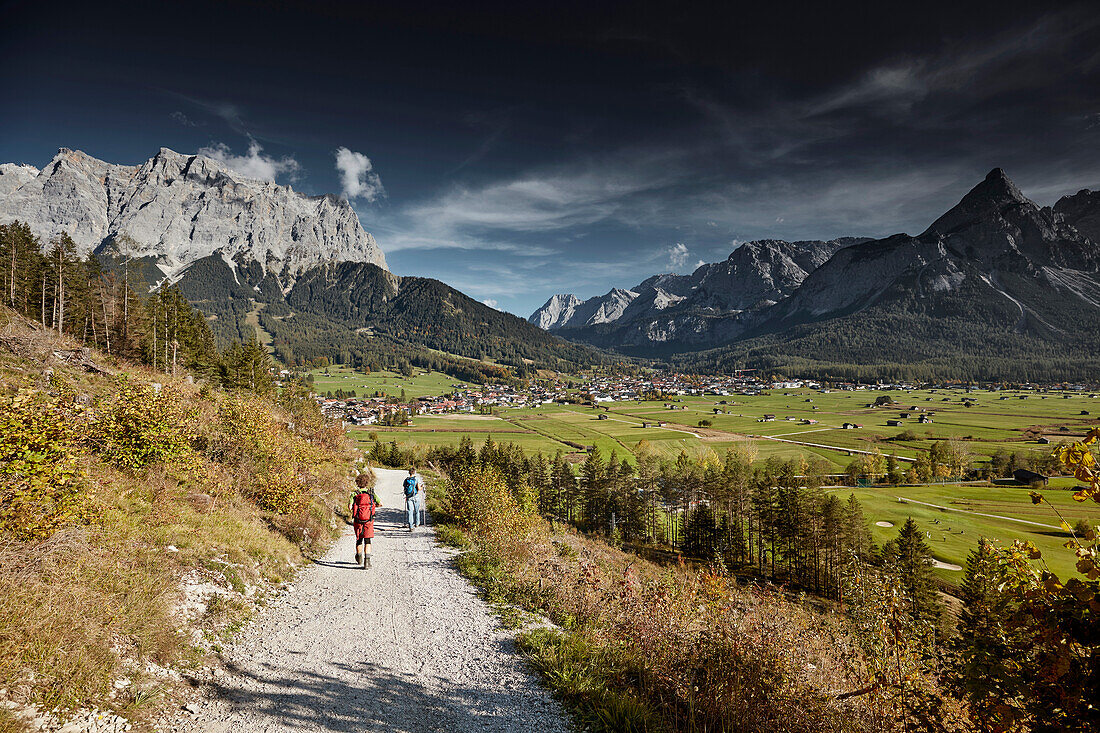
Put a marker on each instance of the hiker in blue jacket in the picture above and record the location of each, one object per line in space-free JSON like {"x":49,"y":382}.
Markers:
{"x":411,"y":487}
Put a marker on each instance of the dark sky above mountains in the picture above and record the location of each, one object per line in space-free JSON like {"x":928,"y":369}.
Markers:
{"x":517,"y":149}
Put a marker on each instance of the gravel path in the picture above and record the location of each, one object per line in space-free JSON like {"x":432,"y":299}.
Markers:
{"x":404,"y":646}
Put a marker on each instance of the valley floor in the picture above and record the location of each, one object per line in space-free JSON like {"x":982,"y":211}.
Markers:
{"x":404,"y":646}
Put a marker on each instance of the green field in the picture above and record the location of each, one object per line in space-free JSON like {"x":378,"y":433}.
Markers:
{"x":954,"y":531}
{"x":995,"y":421}
{"x":989,"y":425}
{"x":422,"y":384}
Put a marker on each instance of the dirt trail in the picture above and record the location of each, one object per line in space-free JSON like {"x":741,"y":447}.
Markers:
{"x":404,"y":646}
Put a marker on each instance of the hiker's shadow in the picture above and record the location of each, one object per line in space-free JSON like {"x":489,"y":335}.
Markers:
{"x":338,"y":564}
{"x":391,"y":519}
{"x":350,"y":697}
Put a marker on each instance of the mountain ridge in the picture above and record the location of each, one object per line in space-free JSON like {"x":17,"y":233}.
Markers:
{"x":178,"y":209}
{"x":995,"y":278}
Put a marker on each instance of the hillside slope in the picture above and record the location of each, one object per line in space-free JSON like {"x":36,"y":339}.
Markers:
{"x":141,"y":516}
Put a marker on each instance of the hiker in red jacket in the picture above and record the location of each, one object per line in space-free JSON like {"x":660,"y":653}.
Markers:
{"x":361,"y":507}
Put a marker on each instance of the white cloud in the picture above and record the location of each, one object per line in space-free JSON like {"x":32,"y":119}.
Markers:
{"x":491,"y":302}
{"x":357,"y":177}
{"x":677,"y":255}
{"x":253,"y":165}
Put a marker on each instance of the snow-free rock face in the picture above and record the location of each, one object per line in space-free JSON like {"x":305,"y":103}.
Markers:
{"x":569,"y":311}
{"x":693,"y":308}
{"x":181,"y":208}
{"x":555,"y":312}
{"x":1082,"y":211}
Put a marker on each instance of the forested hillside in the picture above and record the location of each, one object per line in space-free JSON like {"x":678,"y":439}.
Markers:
{"x":718,"y":646}
{"x":965,"y":335}
{"x":419,"y":312}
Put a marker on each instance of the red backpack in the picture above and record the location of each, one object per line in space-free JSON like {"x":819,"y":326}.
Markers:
{"x":363,"y":511}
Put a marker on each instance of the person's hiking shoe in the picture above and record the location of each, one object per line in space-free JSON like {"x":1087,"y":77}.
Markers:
{"x":358,"y":558}
{"x":366,"y":562}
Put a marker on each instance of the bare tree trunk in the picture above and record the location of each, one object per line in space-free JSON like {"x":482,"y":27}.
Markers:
{"x":43,"y":300}
{"x":175,"y":337}
{"x":126,"y":303}
{"x":60,"y":290}
{"x":154,"y":333}
{"x":11,"y":295}
{"x":106,"y":325}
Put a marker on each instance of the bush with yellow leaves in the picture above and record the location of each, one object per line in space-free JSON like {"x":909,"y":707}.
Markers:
{"x":139,"y":424}
{"x":42,"y":485}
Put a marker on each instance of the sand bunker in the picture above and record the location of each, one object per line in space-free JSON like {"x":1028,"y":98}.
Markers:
{"x":946,"y":565}
{"x":884,"y":524}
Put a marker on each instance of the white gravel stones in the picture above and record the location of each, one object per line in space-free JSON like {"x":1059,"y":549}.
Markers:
{"x":403,"y":646}
{"x":91,"y":720}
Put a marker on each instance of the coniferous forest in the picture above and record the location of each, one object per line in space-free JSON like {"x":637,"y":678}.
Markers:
{"x":1019,"y":646}
{"x":115,"y":313}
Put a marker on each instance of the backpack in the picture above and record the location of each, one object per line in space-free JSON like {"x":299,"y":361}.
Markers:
{"x":410,"y":487}
{"x":363,"y":510}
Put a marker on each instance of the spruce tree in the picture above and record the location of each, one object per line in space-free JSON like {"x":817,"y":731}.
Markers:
{"x":985,"y":669}
{"x":909,"y":560}
{"x":594,"y":474}
{"x":857,"y":533}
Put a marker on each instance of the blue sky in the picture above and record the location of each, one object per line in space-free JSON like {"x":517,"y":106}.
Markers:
{"x":519,"y":151}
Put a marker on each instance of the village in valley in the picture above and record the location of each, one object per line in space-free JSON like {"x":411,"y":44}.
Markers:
{"x":393,"y":406}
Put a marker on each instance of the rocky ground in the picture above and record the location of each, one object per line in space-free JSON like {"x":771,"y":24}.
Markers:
{"x":404,"y":646}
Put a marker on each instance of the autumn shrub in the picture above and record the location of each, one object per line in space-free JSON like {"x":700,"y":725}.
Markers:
{"x":139,"y":424}
{"x":647,"y":648}
{"x":43,"y":483}
{"x":251,"y":436}
{"x":480,"y":501}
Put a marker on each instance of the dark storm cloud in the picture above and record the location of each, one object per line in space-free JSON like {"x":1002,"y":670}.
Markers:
{"x":576,"y":146}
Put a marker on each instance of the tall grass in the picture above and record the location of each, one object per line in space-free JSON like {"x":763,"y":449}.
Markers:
{"x":649,"y":648}
{"x":238,"y":488}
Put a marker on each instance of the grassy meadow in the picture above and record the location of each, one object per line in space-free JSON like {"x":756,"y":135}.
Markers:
{"x":961,"y":515}
{"x":421,"y":384}
{"x":994,"y":421}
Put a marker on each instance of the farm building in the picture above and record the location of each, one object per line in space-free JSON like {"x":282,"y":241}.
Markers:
{"x":1026,"y":477}
{"x":894,"y":423}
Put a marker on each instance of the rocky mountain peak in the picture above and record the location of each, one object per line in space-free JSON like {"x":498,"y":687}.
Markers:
{"x":1082,"y":211}
{"x":989,"y":199}
{"x":177,"y":209}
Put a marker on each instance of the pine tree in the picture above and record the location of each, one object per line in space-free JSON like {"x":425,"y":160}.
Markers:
{"x":857,"y":533}
{"x":909,"y":560}
{"x":986,"y":669}
{"x":595,"y":480}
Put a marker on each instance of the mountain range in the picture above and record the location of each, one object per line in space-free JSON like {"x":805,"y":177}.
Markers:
{"x":997,"y":287}
{"x":715,"y":300}
{"x":996,"y":278}
{"x":178,"y":209}
{"x":250,"y":252}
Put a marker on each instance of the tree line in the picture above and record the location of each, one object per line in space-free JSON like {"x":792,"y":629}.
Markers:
{"x":111,"y":311}
{"x":1022,"y":650}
